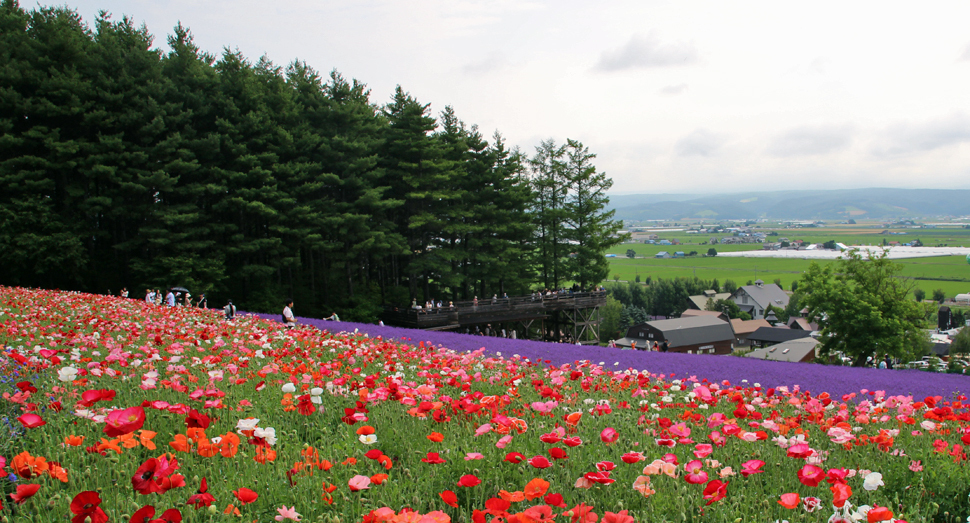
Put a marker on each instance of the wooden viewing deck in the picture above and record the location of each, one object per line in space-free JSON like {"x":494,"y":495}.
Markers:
{"x":523,"y":309}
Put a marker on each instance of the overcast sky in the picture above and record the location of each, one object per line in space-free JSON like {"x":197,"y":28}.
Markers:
{"x":674,"y":96}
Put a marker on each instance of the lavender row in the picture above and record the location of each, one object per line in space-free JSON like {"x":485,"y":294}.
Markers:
{"x":837,"y":381}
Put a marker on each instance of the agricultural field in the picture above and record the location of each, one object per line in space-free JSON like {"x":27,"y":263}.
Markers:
{"x":949,"y":273}
{"x":118,"y":411}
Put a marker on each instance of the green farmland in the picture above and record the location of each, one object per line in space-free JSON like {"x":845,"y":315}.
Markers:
{"x":950,"y":273}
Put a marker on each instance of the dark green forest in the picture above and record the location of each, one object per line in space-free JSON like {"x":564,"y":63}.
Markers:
{"x":125,"y":165}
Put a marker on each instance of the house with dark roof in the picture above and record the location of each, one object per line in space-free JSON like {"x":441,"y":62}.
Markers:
{"x":765,"y":336}
{"x":744,"y":328}
{"x":799,"y":323}
{"x":802,"y":349}
{"x":714,"y":314}
{"x":754,"y":299}
{"x":691,"y":335}
{"x":699,"y":302}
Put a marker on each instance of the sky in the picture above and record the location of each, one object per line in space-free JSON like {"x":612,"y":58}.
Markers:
{"x":673,"y":97}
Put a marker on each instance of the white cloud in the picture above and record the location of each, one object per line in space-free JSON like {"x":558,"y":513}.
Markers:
{"x":700,"y":142}
{"x":811,"y":140}
{"x":909,"y":137}
{"x":673,"y":90}
{"x":647,"y":51}
{"x":965,"y":57}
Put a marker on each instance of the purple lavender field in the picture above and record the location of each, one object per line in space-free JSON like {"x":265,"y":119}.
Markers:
{"x":837,"y":381}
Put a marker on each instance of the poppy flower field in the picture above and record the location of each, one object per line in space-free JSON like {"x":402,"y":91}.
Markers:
{"x":115,"y":410}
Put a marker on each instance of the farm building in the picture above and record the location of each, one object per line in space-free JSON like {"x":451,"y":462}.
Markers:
{"x":714,"y":314}
{"x":699,"y":302}
{"x":743,"y":329}
{"x":754,"y":299}
{"x":691,"y":335}
{"x":766,"y":336}
{"x":803,"y":350}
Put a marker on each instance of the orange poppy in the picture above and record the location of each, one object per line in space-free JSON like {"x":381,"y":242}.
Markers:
{"x":196,"y":434}
{"x":181,"y":443}
{"x":207,"y":449}
{"x":128,"y":441}
{"x":107,"y":444}
{"x":57,"y":472}
{"x":264,"y":455}
{"x":536,"y":488}
{"x":229,"y":445}
{"x":365,"y":430}
{"x":145,"y":438}
{"x":511,"y":497}
{"x":436,"y":437}
{"x":231,"y":509}
{"x":350,"y":461}
{"x":74,"y":441}
{"x":572,"y":419}
{"x":377,"y":479}
{"x":386,"y":461}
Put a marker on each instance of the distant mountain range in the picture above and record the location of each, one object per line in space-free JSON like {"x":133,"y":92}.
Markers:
{"x":842,"y":204}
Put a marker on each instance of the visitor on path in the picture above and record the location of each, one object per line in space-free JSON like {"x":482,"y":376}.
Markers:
{"x":289,"y":320}
{"x":656,"y":347}
{"x":203,"y":303}
{"x":633,"y":345}
{"x":170,"y":298}
{"x":664,"y":347}
{"x":124,"y":292}
{"x":334,"y":317}
{"x":230,"y":311}
{"x":889,"y":362}
{"x":150,"y":297}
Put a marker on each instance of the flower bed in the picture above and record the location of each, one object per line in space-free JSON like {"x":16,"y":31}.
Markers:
{"x":123,"y":411}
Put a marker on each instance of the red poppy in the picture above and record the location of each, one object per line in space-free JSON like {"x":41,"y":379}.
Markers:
{"x":245,"y":496}
{"x":86,"y":507}
{"x":305,"y":405}
{"x":201,"y":498}
{"x":602,"y":478}
{"x":468,"y":480}
{"x":878,"y":513}
{"x":632,"y":457}
{"x":810,"y":475}
{"x":23,"y":493}
{"x":433,"y":458}
{"x":540,"y":462}
{"x":373,"y":454}
{"x":31,"y":421}
{"x":144,"y":479}
{"x":513,"y":457}
{"x":609,"y":435}
{"x":26,"y":386}
{"x":125,"y":421}
{"x":716,"y":490}
{"x":450,"y":498}
{"x":196,"y":420}
{"x":574,"y":441}
{"x":557,"y":453}
{"x":554,"y":500}
{"x":172,"y":515}
{"x":840,"y":494}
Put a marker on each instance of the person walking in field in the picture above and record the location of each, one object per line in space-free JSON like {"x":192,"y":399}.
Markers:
{"x":230,"y":311}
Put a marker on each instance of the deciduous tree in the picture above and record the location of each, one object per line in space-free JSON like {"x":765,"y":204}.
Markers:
{"x":861,"y":307}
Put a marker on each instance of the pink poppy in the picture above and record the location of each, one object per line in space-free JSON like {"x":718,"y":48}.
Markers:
{"x":359,"y":482}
